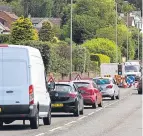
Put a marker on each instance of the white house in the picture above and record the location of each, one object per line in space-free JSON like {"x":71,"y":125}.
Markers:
{"x":3,"y":29}
{"x":37,"y":22}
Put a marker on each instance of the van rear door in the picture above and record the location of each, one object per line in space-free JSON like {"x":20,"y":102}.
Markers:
{"x":1,"y":92}
{"x":15,"y":78}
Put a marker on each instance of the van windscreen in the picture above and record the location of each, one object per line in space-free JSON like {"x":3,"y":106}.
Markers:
{"x":15,"y":73}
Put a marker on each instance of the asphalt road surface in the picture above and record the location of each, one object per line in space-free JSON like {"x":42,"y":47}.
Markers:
{"x":117,"y":118}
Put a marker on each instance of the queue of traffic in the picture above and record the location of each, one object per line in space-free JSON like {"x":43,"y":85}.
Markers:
{"x":71,"y":96}
{"x":25,"y":93}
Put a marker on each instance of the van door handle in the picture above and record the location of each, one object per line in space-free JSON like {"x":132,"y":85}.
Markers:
{"x":9,"y":91}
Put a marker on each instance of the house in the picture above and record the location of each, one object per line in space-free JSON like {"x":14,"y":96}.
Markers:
{"x":6,"y":20}
{"x":129,"y":21}
{"x":4,"y":29}
{"x":134,"y":19}
{"x":37,"y":22}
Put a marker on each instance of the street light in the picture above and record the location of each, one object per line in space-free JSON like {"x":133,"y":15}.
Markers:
{"x":138,"y":39}
{"x":116,"y":31}
{"x":71,"y":40}
{"x":127,"y":32}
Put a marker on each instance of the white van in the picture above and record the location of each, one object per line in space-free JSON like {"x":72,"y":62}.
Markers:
{"x":23,"y":91}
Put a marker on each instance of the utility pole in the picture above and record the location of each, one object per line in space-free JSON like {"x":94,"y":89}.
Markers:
{"x":127,"y":39}
{"x":138,"y":42}
{"x":116,"y":31}
{"x":71,"y":40}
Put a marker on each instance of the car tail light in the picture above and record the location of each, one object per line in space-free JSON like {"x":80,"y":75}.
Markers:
{"x":31,"y":94}
{"x":109,"y":86}
{"x":72,"y":95}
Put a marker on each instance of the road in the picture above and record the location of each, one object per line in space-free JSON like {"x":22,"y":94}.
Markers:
{"x":118,"y":118}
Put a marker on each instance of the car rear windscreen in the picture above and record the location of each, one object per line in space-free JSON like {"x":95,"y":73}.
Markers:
{"x":63,"y":88}
{"x":102,"y":81}
{"x":81,"y":84}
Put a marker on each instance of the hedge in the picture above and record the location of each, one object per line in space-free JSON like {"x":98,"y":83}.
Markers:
{"x":102,"y":46}
{"x":4,"y":38}
{"x":100,"y":58}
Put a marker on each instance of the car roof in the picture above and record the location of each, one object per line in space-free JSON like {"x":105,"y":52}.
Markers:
{"x":87,"y":81}
{"x":103,"y":78}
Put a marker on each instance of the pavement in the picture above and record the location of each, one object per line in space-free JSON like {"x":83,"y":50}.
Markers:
{"x":117,"y":118}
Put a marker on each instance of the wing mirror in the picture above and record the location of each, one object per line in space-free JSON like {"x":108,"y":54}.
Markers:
{"x":50,"y":86}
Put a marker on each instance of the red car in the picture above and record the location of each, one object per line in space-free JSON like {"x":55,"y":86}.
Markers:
{"x":91,"y":95}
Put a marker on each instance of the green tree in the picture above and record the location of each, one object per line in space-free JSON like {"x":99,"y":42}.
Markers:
{"x":46,"y":32}
{"x":90,"y":15}
{"x":37,"y":8}
{"x":102,"y":46}
{"x":109,"y":33}
{"x":23,"y":30}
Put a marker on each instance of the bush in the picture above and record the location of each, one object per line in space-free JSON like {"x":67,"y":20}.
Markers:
{"x":44,"y":49}
{"x":4,"y":38}
{"x":100,"y":58}
{"x":102,"y":46}
{"x":46,"y":33}
{"x":23,"y":30}
{"x":60,"y":59}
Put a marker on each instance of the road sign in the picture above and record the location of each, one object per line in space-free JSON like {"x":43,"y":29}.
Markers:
{"x":130,"y":79}
{"x":51,"y":79}
{"x":78,"y":77}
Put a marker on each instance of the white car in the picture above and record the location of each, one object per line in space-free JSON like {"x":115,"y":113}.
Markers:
{"x":108,"y":87}
{"x":23,"y":91}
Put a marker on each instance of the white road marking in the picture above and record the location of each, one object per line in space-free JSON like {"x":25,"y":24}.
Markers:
{"x":85,"y":116}
{"x":40,"y":134}
{"x":55,"y":129}
{"x":110,"y":104}
{"x":91,"y":113}
{"x":99,"y":109}
{"x":70,"y":123}
{"x":82,"y":118}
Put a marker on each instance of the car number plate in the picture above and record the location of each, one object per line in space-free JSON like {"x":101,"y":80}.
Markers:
{"x":57,"y":105}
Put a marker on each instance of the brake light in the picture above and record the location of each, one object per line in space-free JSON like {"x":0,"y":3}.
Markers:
{"x":3,"y":45}
{"x":31,"y":94}
{"x":72,"y":95}
{"x":109,"y":86}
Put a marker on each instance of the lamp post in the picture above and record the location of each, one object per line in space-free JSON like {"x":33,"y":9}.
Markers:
{"x":116,"y":20}
{"x":127,"y":38}
{"x":127,"y":32}
{"x":71,"y":40}
{"x":138,"y":40}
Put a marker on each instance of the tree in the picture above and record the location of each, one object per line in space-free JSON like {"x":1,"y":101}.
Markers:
{"x":46,"y":32}
{"x":137,"y":3}
{"x":102,"y":46}
{"x":23,"y":30}
{"x":90,"y":15}
{"x":37,"y":8}
{"x":109,"y":33}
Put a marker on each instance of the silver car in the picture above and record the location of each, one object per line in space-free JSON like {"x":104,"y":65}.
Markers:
{"x":108,"y":87}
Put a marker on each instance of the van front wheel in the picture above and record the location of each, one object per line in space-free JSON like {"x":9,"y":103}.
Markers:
{"x":34,"y":122}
